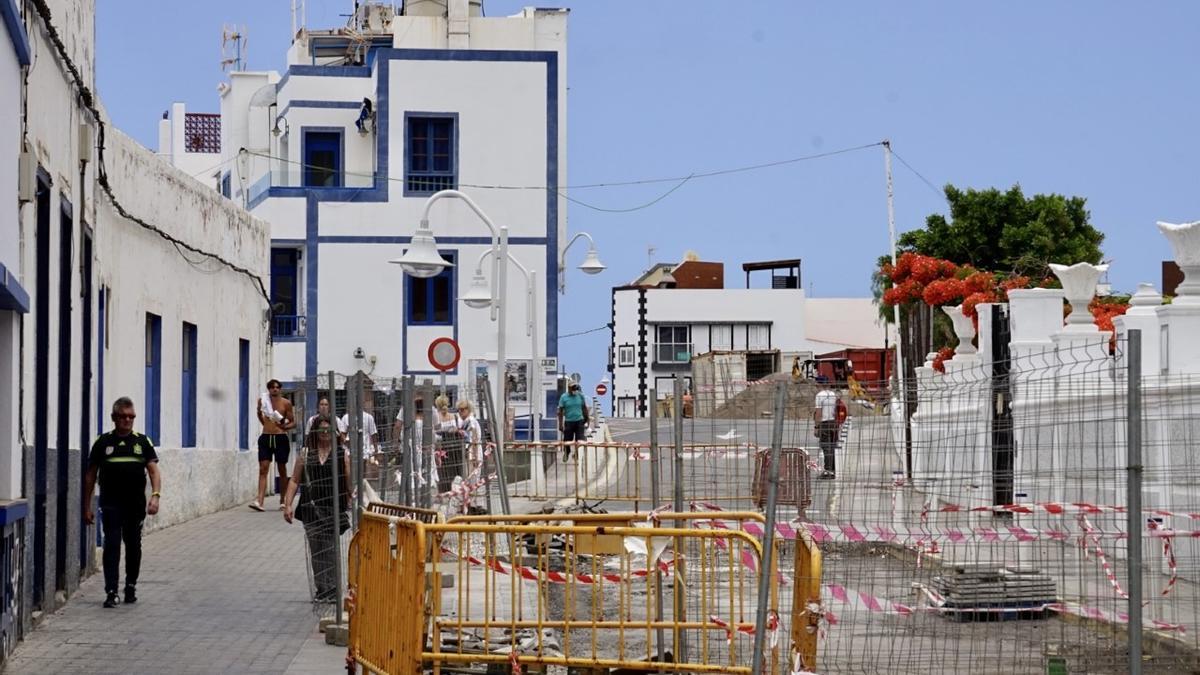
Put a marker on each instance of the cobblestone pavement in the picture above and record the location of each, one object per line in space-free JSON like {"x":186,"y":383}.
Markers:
{"x":224,"y":593}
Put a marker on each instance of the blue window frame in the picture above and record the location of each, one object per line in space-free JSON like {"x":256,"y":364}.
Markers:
{"x":430,"y":302}
{"x":153,"y":409}
{"x":285,"y":293}
{"x":187,"y":381}
{"x":431,"y":152}
{"x":244,"y":394}
{"x":323,"y":152}
{"x":226,"y":186}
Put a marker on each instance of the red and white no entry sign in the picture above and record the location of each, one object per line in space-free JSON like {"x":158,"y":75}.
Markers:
{"x":601,"y":389}
{"x":444,"y":354}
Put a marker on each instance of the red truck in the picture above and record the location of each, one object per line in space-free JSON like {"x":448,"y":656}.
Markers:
{"x":870,"y":367}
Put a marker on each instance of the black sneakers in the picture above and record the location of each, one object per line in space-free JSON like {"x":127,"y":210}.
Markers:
{"x":130,"y":595}
{"x":110,"y":601}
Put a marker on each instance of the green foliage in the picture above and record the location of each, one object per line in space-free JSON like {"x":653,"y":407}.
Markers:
{"x":1006,"y":232}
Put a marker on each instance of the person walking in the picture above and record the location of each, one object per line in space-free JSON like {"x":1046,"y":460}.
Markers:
{"x":472,"y":440}
{"x":323,"y":522}
{"x":121,"y":459}
{"x":825,"y":409}
{"x":572,"y":418}
{"x":276,"y":415}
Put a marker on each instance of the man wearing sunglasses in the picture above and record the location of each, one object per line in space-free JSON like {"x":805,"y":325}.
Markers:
{"x":122,"y":458}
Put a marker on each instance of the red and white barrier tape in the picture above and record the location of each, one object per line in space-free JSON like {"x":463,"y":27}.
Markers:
{"x":532,"y":574}
{"x":1059,"y":508}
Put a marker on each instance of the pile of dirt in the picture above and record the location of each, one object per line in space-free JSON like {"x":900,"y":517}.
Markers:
{"x":758,"y":400}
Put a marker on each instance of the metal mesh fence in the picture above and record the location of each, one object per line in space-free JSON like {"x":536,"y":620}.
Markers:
{"x":994,"y":531}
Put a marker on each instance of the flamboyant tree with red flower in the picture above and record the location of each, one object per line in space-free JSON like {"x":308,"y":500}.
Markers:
{"x":919,"y":284}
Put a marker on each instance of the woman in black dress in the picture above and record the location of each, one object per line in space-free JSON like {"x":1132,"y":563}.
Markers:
{"x":313,"y":476}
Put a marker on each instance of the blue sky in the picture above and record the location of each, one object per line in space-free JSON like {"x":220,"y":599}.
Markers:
{"x":1094,"y":99}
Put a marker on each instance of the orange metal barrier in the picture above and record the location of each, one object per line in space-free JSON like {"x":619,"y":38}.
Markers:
{"x":604,"y":591}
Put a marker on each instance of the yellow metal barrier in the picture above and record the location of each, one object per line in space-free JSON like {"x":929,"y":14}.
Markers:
{"x":806,"y":602}
{"x":526,"y":594}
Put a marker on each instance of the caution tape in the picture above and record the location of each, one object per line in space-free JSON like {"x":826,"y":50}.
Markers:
{"x":1059,"y":508}
{"x":533,"y":574}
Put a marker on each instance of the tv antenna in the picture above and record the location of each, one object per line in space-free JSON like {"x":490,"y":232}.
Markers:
{"x":299,"y":17}
{"x":233,"y":47}
{"x":650,"y":257}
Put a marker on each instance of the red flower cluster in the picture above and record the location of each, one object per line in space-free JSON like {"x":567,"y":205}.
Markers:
{"x":1103,"y":312}
{"x":903,"y":292}
{"x":975,"y":299}
{"x":980,"y":282}
{"x":939,"y":362}
{"x":944,"y":292}
{"x":1014,"y":283}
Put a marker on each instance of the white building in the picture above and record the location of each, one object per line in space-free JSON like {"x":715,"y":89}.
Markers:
{"x":191,"y":142}
{"x":15,"y":56}
{"x":457,"y":100}
{"x":674,"y":312}
{"x":99,"y":301}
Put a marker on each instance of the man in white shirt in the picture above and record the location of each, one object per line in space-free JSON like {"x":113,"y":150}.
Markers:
{"x":367,"y":428}
{"x":825,"y":418}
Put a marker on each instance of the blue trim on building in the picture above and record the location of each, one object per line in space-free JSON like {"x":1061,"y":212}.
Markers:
{"x":13,"y":296}
{"x":308,"y":103}
{"x":312,"y":256}
{"x":16,"y":30}
{"x":552,"y":207}
{"x":379,"y":192}
{"x":12,"y":511}
{"x":289,"y":338}
{"x":258,"y":191}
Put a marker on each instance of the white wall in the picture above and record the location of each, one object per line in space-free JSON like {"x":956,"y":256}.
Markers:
{"x":10,"y":258}
{"x":148,"y":274}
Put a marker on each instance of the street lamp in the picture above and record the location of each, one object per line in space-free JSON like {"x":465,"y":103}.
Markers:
{"x":422,"y":260}
{"x":479,"y":296}
{"x":591,"y":263}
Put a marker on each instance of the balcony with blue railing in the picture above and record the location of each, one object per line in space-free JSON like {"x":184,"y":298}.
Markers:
{"x":293,"y":182}
{"x":288,"y":327}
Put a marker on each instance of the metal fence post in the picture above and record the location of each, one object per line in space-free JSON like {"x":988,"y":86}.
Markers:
{"x":406,"y":443}
{"x":680,"y":568}
{"x":354,"y":428}
{"x":1136,"y":519}
{"x":655,"y":496}
{"x":425,"y":454}
{"x":768,"y":554}
{"x":337,"y":514}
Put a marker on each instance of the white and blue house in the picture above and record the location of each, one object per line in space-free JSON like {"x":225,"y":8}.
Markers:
{"x":340,"y":153}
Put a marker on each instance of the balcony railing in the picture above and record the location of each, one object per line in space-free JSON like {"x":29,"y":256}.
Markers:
{"x":317,"y":178}
{"x":288,"y":326}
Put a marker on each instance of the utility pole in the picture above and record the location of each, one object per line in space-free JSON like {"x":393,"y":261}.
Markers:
{"x":891,"y":207}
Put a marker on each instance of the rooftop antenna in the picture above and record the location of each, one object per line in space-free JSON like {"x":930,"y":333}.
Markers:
{"x":233,"y":48}
{"x":650,"y":256}
{"x":299,"y":17}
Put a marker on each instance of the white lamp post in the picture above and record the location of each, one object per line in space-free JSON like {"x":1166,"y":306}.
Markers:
{"x":591,"y":264}
{"x":423,"y":260}
{"x":479,"y":296}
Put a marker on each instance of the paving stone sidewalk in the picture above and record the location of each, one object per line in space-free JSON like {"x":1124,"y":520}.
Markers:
{"x":224,"y":593}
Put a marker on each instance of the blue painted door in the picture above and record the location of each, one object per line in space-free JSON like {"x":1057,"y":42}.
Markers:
{"x":322,"y":159}
{"x":152,"y":409}
{"x":187,"y":379}
{"x":244,"y":394}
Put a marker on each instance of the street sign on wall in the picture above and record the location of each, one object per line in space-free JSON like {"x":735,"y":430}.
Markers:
{"x":601,"y":389}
